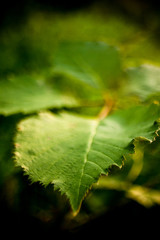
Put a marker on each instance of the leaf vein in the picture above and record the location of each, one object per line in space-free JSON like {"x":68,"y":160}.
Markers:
{"x":101,"y":153}
{"x":96,"y":165}
{"x":93,"y":133}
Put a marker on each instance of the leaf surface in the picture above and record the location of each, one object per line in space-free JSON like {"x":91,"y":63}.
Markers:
{"x":143,"y":81}
{"x":90,"y":67}
{"x":29,"y":94}
{"x":95,"y":63}
{"x":72,"y":151}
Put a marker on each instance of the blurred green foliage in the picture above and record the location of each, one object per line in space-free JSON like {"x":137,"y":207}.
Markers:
{"x":29,"y":49}
{"x":31,"y":46}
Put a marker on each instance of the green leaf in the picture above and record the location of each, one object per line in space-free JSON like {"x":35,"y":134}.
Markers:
{"x":27,"y":94}
{"x":72,"y":151}
{"x":86,"y":70}
{"x":143,"y":81}
{"x":94,"y":63}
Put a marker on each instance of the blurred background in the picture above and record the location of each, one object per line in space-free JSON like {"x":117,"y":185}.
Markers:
{"x":29,"y":33}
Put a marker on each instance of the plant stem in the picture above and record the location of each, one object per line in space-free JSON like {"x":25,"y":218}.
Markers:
{"x":145,"y":196}
{"x":108,"y":106}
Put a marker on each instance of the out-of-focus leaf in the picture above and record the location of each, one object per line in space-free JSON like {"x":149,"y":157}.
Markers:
{"x":27,"y":94}
{"x":95,"y":63}
{"x":143,"y":81}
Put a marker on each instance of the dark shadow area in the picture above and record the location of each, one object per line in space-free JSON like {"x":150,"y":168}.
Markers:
{"x":130,"y":220}
{"x":14,"y":12}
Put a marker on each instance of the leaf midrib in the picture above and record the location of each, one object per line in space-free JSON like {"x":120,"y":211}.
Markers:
{"x":91,"y":138}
